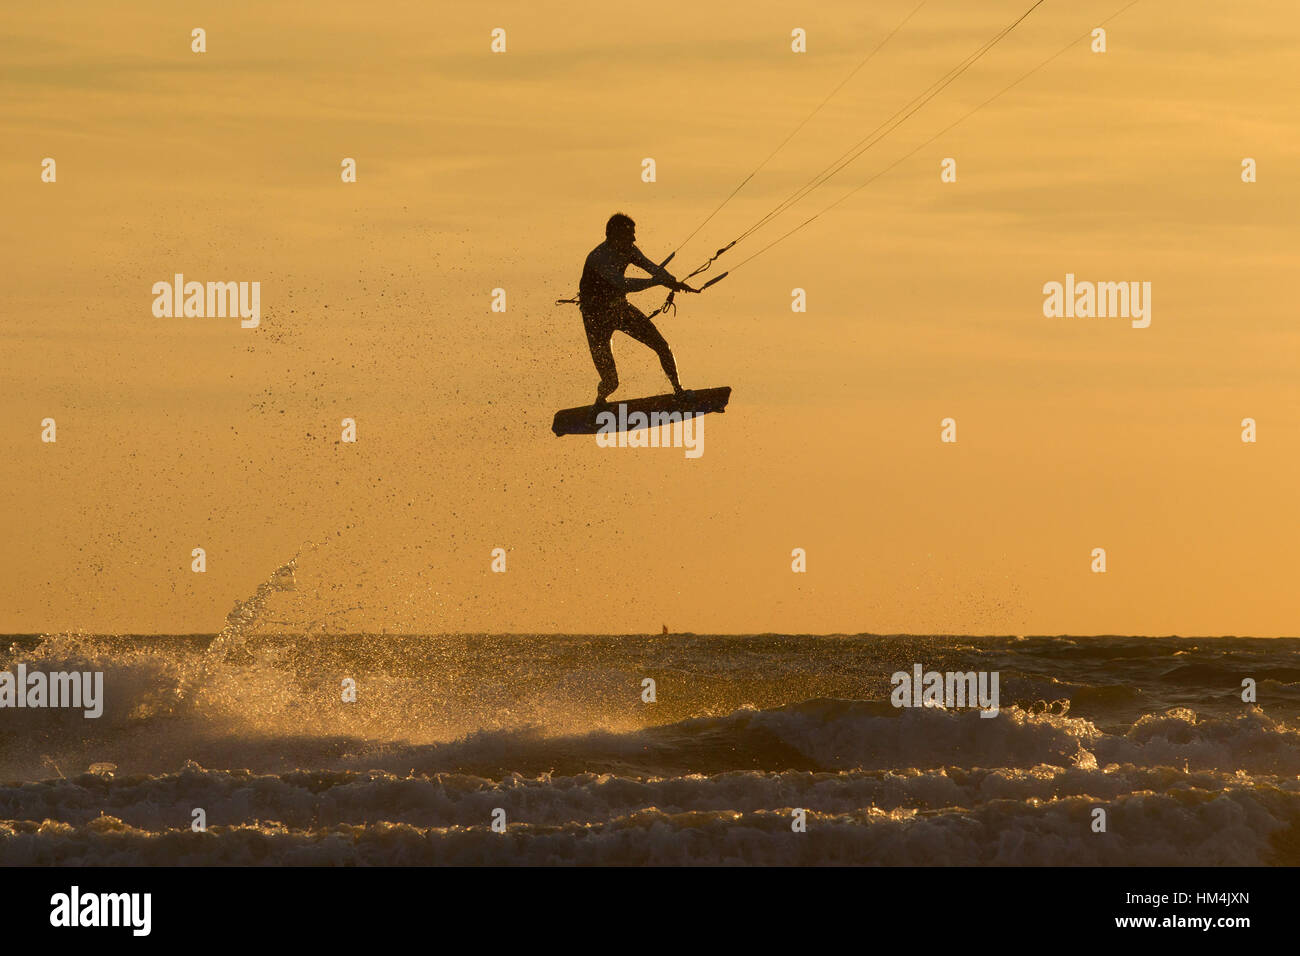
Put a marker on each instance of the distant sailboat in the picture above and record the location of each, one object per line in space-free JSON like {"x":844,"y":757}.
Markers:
{"x":665,"y":627}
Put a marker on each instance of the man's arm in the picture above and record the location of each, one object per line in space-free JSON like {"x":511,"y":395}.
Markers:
{"x":661,"y":276}
{"x":616,"y":278}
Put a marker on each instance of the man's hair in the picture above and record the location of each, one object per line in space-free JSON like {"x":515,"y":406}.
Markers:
{"x":616,"y":222}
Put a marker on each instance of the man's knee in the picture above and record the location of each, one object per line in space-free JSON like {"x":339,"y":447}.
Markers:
{"x":652,"y":339}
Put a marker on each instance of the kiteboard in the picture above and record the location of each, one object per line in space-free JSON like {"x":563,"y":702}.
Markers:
{"x":654,"y":411}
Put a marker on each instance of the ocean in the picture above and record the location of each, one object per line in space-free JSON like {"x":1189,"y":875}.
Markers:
{"x":554,"y":749}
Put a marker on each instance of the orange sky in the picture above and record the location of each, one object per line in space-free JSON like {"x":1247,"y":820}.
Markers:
{"x":478,"y":171}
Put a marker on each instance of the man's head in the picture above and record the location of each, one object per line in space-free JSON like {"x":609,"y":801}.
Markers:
{"x":620,"y":230}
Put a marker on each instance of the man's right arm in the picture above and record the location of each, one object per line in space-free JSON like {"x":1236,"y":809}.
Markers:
{"x":661,"y":275}
{"x":619,"y":281}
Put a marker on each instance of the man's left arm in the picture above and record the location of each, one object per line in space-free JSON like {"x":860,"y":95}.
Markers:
{"x":663,"y":275}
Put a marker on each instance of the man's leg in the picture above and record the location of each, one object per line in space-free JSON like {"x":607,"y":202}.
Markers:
{"x":598,"y":336}
{"x":636,"y":324}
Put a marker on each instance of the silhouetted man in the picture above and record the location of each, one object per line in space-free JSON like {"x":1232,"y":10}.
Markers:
{"x":602,"y":299}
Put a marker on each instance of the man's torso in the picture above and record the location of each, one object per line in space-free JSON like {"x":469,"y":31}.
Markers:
{"x":594,"y":290}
